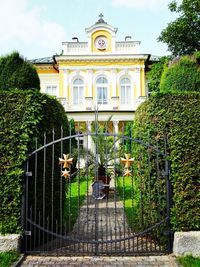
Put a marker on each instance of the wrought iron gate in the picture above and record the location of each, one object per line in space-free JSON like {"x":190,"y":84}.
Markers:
{"x":70,"y":208}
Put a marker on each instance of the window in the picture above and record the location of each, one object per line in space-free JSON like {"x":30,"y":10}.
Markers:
{"x":102,"y":90}
{"x":125,"y":88}
{"x":78,"y":88}
{"x":51,"y":90}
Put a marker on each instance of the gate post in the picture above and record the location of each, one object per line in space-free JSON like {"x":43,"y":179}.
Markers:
{"x":24,"y":206}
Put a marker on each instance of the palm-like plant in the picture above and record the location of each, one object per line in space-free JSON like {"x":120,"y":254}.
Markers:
{"x":105,"y":150}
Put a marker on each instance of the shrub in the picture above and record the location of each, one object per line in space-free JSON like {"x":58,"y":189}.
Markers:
{"x":17,"y":73}
{"x":24,"y":115}
{"x":183,"y":75}
{"x":178,"y":114}
{"x":155,"y":73}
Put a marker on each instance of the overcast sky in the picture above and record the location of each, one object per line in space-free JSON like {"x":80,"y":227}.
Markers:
{"x":36,"y":28}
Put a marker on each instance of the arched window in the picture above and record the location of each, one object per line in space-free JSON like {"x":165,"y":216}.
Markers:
{"x":102,"y":90}
{"x":78,"y":88}
{"x":125,"y":89}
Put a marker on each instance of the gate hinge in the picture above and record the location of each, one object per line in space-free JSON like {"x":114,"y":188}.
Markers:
{"x":27,"y":232}
{"x":29,"y":174}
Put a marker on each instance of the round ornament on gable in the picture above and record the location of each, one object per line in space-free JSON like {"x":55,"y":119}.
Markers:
{"x":101,"y":42}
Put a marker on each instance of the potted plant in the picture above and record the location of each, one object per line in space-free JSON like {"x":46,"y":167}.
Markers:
{"x":104,"y":152}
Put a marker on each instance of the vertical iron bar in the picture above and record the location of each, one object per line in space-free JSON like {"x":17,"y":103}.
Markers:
{"x":52,"y":185}
{"x":141,"y":191}
{"x":115,"y":193}
{"x":79,"y":186}
{"x":69,"y":184}
{"x":107,"y":211}
{"x":158,"y":192}
{"x":87,"y":184}
{"x":132,"y":192}
{"x":26,"y":212}
{"x":39,"y":231}
{"x":96,"y":179}
{"x":44,"y":185}
{"x":48,"y":243}
{"x":31,"y":230}
{"x":24,"y":206}
{"x":35,"y":193}
{"x":61,"y":189}
{"x":168,"y":193}
{"x":149,"y":186}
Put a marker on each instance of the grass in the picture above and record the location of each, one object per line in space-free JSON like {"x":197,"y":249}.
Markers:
{"x":128,"y":194}
{"x":76,"y":193}
{"x":189,"y":261}
{"x":7,"y":258}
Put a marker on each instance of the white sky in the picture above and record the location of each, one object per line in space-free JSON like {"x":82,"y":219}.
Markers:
{"x":36,"y":28}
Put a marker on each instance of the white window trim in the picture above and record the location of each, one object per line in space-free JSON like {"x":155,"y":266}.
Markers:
{"x":78,"y":86}
{"x":127,"y":100}
{"x":102,"y":86}
{"x":51,"y":86}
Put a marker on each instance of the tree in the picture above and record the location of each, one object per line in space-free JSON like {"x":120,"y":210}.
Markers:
{"x":155,"y":73}
{"x":183,"y":35}
{"x":17,"y":73}
{"x":182,"y":75}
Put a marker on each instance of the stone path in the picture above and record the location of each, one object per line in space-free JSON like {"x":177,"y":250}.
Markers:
{"x":152,"y":261}
{"x":109,"y":219}
{"x":103,"y":220}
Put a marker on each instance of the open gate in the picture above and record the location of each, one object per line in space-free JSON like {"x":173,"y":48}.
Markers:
{"x":70,"y":208}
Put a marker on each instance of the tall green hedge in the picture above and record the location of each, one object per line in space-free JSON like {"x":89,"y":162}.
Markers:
{"x":17,"y":73}
{"x":24,"y":115}
{"x":179,"y":115}
{"x":182,"y":75}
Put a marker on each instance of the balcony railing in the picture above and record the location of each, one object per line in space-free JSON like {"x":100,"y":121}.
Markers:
{"x":90,"y":103}
{"x":81,"y":48}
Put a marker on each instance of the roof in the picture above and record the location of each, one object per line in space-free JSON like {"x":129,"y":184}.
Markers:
{"x":43,"y":60}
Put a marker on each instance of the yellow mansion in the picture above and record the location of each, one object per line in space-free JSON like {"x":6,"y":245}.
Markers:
{"x":102,"y":72}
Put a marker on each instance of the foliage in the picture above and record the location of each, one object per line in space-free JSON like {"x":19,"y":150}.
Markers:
{"x":182,"y":75}
{"x":105,"y":146}
{"x":189,"y":261}
{"x":24,"y":115}
{"x":17,"y":73}
{"x":178,"y":114}
{"x":7,"y":258}
{"x":182,"y":35}
{"x":155,"y":73}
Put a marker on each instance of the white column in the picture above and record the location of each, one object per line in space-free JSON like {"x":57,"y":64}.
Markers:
{"x":114,"y":82}
{"x":137,"y":80}
{"x":89,"y":80}
{"x":116,"y":130}
{"x":89,"y":130}
{"x":65,"y":83}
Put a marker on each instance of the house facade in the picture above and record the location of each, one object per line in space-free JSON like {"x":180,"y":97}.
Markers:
{"x":101,"y":73}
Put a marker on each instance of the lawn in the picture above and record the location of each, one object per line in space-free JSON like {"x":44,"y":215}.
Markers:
{"x":129,"y":195}
{"x":7,"y":258}
{"x":75,"y":194}
{"x":189,"y":261}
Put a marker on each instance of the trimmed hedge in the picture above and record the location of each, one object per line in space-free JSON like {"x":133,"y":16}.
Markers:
{"x":24,"y":115}
{"x":17,"y":73}
{"x":182,"y":75}
{"x":179,"y":115}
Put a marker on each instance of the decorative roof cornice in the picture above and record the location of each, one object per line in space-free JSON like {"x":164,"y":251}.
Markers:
{"x":102,"y":58}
